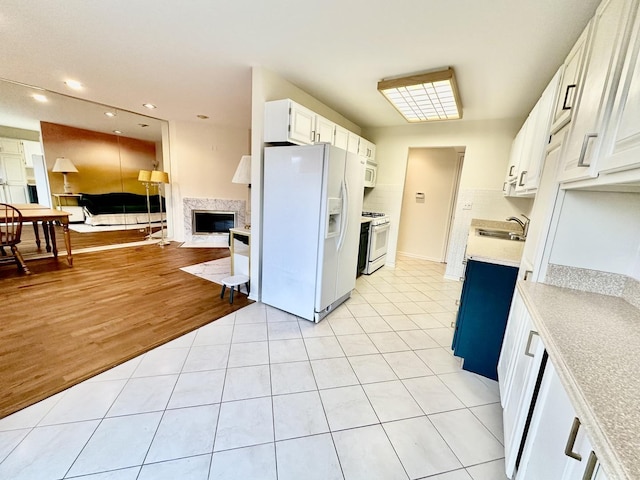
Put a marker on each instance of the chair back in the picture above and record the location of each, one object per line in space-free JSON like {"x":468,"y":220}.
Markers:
{"x":10,"y":225}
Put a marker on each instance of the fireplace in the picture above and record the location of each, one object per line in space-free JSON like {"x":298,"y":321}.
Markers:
{"x":207,"y":222}
{"x":214,"y":233}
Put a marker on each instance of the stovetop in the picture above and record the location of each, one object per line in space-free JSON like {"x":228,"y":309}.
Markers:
{"x":378,"y":218}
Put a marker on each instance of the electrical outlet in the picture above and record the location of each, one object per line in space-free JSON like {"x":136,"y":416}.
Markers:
{"x":467,"y":205}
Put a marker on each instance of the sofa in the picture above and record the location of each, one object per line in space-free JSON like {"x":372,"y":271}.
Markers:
{"x":120,"y":208}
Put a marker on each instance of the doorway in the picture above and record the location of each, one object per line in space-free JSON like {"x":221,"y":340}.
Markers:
{"x":430,"y":190}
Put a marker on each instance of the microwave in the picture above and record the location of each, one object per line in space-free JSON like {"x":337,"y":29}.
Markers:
{"x":370,"y":173}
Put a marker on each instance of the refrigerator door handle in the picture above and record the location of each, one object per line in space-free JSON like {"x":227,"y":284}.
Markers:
{"x":344,"y":215}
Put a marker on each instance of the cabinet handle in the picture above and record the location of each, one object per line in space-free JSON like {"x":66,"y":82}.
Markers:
{"x":566,"y":97}
{"x":529,"y":340}
{"x":571,"y":441}
{"x":318,"y":138}
{"x":583,"y":151}
{"x":591,"y":466}
{"x":520,"y":182}
{"x":527,"y":273}
{"x":511,"y":170}
{"x":313,"y":135}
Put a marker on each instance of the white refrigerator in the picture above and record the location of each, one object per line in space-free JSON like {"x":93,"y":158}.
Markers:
{"x":312,"y":206}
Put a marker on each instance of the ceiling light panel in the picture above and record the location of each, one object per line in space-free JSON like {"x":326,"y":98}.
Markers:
{"x":424,"y":98}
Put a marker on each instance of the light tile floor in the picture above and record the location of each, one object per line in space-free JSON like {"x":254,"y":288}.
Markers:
{"x":372,"y":392}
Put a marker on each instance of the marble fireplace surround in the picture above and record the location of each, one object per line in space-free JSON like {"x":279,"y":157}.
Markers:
{"x":213,"y":204}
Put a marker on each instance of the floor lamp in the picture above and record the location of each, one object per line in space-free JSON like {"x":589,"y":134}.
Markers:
{"x":160,"y":178}
{"x":145,"y":177}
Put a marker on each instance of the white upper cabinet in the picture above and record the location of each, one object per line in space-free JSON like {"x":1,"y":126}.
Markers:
{"x":607,"y":44}
{"x":341,"y":138}
{"x":569,"y":84}
{"x":324,"y":130}
{"x":353,"y":143}
{"x":621,"y":145}
{"x":11,"y":145}
{"x":536,"y":139}
{"x":286,"y":121}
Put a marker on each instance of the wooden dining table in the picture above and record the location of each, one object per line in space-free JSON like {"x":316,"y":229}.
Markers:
{"x":34,"y":213}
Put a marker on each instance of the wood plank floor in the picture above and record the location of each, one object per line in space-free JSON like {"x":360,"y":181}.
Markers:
{"x":62,"y":325}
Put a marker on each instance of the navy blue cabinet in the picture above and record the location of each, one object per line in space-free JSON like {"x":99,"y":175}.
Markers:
{"x":482,"y":316}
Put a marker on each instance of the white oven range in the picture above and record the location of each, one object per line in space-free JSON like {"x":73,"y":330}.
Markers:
{"x":378,"y":240}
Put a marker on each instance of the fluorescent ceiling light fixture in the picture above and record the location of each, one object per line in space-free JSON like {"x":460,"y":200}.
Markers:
{"x":39,"y":97}
{"x":74,"y":84}
{"x":150,"y":106}
{"x":425,"y":97}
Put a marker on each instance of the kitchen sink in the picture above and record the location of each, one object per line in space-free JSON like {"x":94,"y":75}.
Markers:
{"x":484,"y":232}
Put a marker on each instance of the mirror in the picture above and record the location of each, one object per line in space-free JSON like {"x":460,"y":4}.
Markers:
{"x":107,"y":146}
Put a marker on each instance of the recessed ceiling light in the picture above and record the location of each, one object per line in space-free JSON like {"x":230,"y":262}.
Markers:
{"x":74,"y":84}
{"x":150,"y":106}
{"x":117,"y":132}
{"x":110,"y":114}
{"x":39,"y":97}
{"x":202,"y":117}
{"x":425,"y":97}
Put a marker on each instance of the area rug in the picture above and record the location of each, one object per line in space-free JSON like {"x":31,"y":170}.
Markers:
{"x":214,"y":271}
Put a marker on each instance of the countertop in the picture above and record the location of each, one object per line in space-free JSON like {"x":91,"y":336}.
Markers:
{"x":491,"y":249}
{"x":365,"y":219}
{"x":593,"y":341}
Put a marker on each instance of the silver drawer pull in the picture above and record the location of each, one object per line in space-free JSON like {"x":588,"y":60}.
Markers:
{"x":591,"y":466}
{"x":527,"y":273}
{"x":521,"y":182}
{"x":526,"y":350}
{"x":571,"y":441}
{"x":583,"y":151}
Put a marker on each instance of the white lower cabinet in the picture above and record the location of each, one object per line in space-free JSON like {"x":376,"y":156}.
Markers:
{"x":518,"y":367}
{"x":557,"y":446}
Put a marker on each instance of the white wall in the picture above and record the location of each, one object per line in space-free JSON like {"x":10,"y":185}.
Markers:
{"x":487,"y":151}
{"x":424,"y":221}
{"x":599,"y":231}
{"x":203,"y":159}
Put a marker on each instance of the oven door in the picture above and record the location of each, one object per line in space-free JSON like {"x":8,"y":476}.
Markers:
{"x":378,"y":239}
{"x":370,"y":173}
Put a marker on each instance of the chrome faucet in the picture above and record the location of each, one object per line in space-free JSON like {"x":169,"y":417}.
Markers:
{"x":524,"y":225}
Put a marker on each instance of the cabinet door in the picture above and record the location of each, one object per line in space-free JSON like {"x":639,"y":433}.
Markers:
{"x":554,"y":429}
{"x":13,"y":179}
{"x":11,"y":146}
{"x":341,"y":138}
{"x":301,"y":124}
{"x":514,"y":157}
{"x":622,"y":140}
{"x":324,"y":130}
{"x":569,"y":85}
{"x":482,"y":316}
{"x":538,"y":139}
{"x":509,"y":351}
{"x":353,"y":143}
{"x":519,"y":386}
{"x":599,"y":83}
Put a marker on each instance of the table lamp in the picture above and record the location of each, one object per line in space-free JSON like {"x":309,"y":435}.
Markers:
{"x":144,"y":176}
{"x":64,"y":165}
{"x":243,"y":176}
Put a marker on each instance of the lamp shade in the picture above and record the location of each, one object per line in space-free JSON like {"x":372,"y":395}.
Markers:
{"x":243,"y":172}
{"x":64,"y":165}
{"x":144,"y":176}
{"x":159,"y":177}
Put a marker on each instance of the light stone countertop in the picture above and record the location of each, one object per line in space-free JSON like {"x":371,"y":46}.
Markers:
{"x":593,"y":341}
{"x":491,"y":249}
{"x":365,"y":219}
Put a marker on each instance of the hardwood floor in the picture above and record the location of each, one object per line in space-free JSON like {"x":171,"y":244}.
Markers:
{"x":62,"y":325}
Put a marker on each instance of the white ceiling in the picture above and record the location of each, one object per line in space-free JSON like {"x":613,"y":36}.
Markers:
{"x":195,"y":56}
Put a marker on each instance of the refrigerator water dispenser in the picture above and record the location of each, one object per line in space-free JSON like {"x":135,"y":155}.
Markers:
{"x":334,"y":214}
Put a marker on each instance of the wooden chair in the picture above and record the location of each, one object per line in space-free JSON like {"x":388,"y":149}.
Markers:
{"x":10,"y":230}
